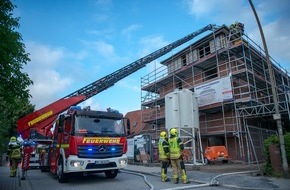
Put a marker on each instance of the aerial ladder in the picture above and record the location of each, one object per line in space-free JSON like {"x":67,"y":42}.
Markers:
{"x":39,"y":123}
{"x":41,"y":119}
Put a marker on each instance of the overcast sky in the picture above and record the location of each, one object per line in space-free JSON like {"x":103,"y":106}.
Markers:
{"x":75,"y":42}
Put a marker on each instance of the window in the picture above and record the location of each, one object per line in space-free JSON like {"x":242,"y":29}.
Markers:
{"x":210,"y":73}
{"x":194,"y":55}
{"x":207,"y":49}
{"x":204,"y":50}
{"x":183,"y":58}
{"x":201,"y":52}
{"x":99,"y":126}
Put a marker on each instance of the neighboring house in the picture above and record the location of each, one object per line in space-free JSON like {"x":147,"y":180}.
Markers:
{"x":135,"y":122}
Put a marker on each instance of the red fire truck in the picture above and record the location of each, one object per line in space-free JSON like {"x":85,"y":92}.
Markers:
{"x":71,"y":139}
{"x":86,"y":141}
{"x":78,"y":140}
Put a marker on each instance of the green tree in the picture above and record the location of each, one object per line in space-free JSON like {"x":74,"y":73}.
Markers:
{"x":274,"y":139}
{"x":14,"y":92}
{"x":13,"y":81}
{"x":9,"y":117}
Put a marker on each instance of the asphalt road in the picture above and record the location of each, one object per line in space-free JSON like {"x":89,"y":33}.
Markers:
{"x":138,"y":177}
{"x":127,"y":180}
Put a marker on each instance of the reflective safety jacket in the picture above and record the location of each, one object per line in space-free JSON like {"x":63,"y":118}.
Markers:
{"x":175,"y":147}
{"x":14,"y":151}
{"x":163,"y":148}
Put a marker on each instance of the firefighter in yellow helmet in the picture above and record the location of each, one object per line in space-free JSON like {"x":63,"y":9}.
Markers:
{"x":176,"y":147}
{"x":14,"y":154}
{"x":163,"y":147}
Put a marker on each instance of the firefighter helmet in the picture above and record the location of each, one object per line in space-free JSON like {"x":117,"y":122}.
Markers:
{"x":173,"y":132}
{"x":163,"y":134}
{"x":13,"y":139}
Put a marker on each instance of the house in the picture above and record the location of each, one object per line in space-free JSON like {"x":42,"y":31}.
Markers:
{"x":228,"y":73}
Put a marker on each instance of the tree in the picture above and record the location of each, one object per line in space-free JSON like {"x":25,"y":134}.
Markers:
{"x":9,"y":117}
{"x":14,"y":92}
{"x":13,"y":82}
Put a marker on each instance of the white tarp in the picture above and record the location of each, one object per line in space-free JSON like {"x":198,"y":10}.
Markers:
{"x":214,"y":91}
{"x":130,"y":151}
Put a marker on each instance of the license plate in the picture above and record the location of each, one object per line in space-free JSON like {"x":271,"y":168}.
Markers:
{"x":101,"y":161}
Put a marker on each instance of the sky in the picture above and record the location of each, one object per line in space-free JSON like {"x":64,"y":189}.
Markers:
{"x":73,"y":43}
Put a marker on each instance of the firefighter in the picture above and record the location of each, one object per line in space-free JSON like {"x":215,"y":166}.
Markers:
{"x":238,"y":28}
{"x":176,"y":147}
{"x":14,"y":154}
{"x":163,"y":147}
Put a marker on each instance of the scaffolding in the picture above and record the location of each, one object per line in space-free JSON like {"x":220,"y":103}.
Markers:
{"x":243,"y":117}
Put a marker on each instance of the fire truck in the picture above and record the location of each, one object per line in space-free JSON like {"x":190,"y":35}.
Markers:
{"x":74,"y":140}
{"x":77,"y":140}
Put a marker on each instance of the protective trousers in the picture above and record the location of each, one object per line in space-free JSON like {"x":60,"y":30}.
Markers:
{"x":183,"y":172}
{"x":178,"y":166}
{"x":164,"y":165}
{"x":13,"y":167}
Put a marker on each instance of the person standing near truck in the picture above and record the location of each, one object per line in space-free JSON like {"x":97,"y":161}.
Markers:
{"x":14,"y":154}
{"x":176,"y":147}
{"x":163,"y":148}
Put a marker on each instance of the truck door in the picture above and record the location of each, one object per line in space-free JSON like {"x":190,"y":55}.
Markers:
{"x":54,"y":149}
{"x":66,"y":135}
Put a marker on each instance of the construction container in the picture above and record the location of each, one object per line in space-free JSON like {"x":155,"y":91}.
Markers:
{"x":181,"y":109}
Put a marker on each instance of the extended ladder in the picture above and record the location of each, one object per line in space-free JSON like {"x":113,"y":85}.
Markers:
{"x":109,"y":80}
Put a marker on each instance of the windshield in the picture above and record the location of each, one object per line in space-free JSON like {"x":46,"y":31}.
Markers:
{"x":98,"y":126}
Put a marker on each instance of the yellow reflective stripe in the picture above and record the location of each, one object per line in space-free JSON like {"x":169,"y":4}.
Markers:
{"x":62,"y":146}
{"x":40,"y":118}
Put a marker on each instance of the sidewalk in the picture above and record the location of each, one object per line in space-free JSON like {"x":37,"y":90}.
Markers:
{"x":11,"y":183}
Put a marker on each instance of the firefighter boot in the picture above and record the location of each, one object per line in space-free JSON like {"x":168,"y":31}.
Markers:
{"x":165,"y":179}
{"x":164,"y":176}
{"x":12,"y":171}
{"x":175,"y":180}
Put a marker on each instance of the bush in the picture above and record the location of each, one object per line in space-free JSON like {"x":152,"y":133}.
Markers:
{"x":274,"y":139}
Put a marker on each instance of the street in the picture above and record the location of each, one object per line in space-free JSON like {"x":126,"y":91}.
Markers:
{"x":48,"y":181}
{"x":37,"y":180}
{"x":141,"y":178}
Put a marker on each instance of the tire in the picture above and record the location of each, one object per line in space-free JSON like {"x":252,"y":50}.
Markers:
{"x":225,"y":161}
{"x":44,"y":169}
{"x":62,"y":177}
{"x":111,"y":173}
{"x":42,"y":166}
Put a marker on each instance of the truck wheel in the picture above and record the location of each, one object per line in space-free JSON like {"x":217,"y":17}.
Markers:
{"x":62,"y":177}
{"x":111,"y":173}
{"x":44,"y":168}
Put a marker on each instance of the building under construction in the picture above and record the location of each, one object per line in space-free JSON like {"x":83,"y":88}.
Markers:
{"x":228,"y":73}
